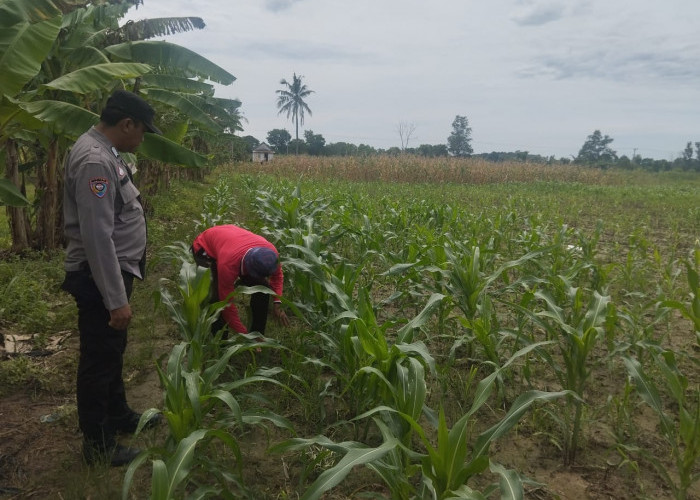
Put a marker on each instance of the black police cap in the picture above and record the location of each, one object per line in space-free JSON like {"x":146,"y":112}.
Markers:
{"x":133,"y":106}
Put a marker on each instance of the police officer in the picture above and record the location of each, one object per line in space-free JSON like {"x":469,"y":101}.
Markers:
{"x":105,"y":230}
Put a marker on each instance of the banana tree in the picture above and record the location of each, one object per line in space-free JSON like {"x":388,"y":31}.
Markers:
{"x":27,"y":33}
{"x":65,"y":62}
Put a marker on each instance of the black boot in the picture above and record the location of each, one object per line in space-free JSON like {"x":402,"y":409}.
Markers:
{"x":115,"y":455}
{"x":127,"y":423}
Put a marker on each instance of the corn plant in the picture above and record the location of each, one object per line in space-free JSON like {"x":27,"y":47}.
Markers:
{"x":690,"y":310}
{"x":353,"y":454}
{"x":576,"y":328}
{"x":285,"y":212}
{"x":218,"y":207}
{"x":200,"y":404}
{"x":192,"y":395}
{"x":374,"y":371}
{"x":682,"y":437}
{"x":170,"y":474}
{"x":446,"y":469}
{"x":447,"y":466}
{"x":192,"y":311}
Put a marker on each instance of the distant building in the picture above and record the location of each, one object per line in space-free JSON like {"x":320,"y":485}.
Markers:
{"x":263,"y":153}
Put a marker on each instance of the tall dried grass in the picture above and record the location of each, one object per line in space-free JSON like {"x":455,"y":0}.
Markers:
{"x":417,"y":169}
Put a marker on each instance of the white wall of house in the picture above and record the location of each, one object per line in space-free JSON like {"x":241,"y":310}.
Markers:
{"x":263,"y":153}
{"x":259,"y":156}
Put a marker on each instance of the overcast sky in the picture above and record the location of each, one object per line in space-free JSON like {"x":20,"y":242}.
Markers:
{"x":530,"y":75}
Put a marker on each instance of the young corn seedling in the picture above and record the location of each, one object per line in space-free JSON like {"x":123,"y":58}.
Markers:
{"x":575,"y":328}
{"x":171,"y":474}
{"x":199,"y":406}
{"x":218,"y":207}
{"x":441,"y":473}
{"x":192,"y":312}
{"x":448,"y":465}
{"x":191,"y":398}
{"x":690,"y":310}
{"x":287,"y":212}
{"x":683,"y":436}
{"x":382,"y":372}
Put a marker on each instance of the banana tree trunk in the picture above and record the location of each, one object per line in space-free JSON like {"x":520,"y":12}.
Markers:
{"x":49,"y":217}
{"x":18,"y":218}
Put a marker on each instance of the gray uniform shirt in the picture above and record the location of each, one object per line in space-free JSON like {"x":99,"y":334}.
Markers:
{"x":103,"y":219}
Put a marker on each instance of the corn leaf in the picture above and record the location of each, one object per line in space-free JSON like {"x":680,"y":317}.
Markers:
{"x":405,"y":334}
{"x":179,"y":464}
{"x":412,"y":388}
{"x":192,"y":385}
{"x":357,"y":456}
{"x":509,"y":482}
{"x":129,"y":475}
{"x":596,"y":312}
{"x":159,"y":481}
{"x":464,"y":492}
{"x":648,"y":391}
{"x":517,"y":409}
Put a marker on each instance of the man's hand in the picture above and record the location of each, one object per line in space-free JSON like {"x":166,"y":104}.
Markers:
{"x":119,"y":318}
{"x":280,"y":314}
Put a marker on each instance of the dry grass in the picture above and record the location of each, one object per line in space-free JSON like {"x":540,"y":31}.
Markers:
{"x":417,"y":169}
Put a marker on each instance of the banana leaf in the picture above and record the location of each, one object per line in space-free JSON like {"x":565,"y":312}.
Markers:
{"x":23,"y":47}
{"x":185,"y":106}
{"x":11,"y":196}
{"x":177,"y":83}
{"x":168,"y":55}
{"x":97,"y":77}
{"x":65,"y":118}
{"x":157,"y":147}
{"x":13,"y":12}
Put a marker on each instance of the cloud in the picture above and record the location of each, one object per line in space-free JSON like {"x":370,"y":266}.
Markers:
{"x":278,"y":5}
{"x":537,"y":13}
{"x":616,"y":62}
{"x":303,"y":51}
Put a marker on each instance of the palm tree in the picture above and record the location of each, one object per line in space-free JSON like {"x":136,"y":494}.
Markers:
{"x":291,"y":100}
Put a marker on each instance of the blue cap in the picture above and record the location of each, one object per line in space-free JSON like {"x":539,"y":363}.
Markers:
{"x":260,"y":262}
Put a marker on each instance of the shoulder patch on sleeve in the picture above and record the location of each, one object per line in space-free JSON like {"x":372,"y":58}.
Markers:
{"x":98,"y":186}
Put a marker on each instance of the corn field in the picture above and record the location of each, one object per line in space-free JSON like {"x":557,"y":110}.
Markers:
{"x":434,"y":326}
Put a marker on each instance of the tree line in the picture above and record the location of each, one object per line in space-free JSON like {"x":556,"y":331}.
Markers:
{"x":595,"y":152}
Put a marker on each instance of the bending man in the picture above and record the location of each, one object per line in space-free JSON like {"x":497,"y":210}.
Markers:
{"x":236,"y":255}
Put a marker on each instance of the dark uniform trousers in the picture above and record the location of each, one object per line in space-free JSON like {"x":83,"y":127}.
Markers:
{"x":100,"y":386}
{"x":259,"y":302}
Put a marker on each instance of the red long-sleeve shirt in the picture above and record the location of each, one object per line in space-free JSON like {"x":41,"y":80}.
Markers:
{"x":227,"y":244}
